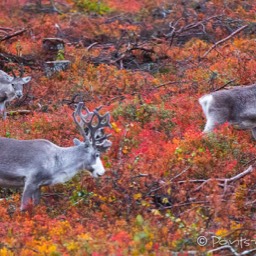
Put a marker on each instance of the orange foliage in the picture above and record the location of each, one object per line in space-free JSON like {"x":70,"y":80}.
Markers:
{"x":165,"y":181}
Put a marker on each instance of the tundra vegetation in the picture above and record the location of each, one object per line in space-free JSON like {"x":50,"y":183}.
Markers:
{"x":148,"y":62}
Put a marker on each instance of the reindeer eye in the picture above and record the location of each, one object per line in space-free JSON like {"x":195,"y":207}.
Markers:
{"x":97,"y":155}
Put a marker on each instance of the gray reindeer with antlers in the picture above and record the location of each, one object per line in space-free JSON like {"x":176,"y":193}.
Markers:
{"x":11,"y":88}
{"x":35,"y":163}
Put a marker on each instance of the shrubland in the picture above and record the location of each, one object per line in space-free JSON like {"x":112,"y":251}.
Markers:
{"x":166,"y":184}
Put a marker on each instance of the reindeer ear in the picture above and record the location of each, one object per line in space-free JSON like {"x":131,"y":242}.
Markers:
{"x":77,"y":142}
{"x":104,"y":146}
{"x":26,"y":79}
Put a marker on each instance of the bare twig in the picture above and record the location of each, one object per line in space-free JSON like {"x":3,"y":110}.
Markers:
{"x":19,"y":112}
{"x":27,"y":61}
{"x":169,"y":83}
{"x":6,"y":29}
{"x":120,"y":98}
{"x":239,"y":176}
{"x":222,"y":182}
{"x":228,"y":247}
{"x":91,"y":45}
{"x":224,"y":40}
{"x":183,"y":204}
{"x":55,"y":9}
{"x":223,"y":86}
{"x":227,"y":181}
{"x":3,"y":32}
{"x":169,"y":182}
{"x":140,"y":175}
{"x":17,"y":33}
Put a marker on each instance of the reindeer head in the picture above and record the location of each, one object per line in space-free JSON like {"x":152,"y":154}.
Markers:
{"x":91,"y":125}
{"x":18,"y":82}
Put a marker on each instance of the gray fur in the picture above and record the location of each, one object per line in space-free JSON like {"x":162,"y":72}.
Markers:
{"x":236,"y":106}
{"x":10,"y":88}
{"x":35,"y":163}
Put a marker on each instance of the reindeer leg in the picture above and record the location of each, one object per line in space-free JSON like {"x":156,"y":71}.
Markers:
{"x":3,"y":110}
{"x":209,"y":126}
{"x":254,"y":132}
{"x":31,"y":194}
{"x":4,"y":114}
{"x":36,"y":196}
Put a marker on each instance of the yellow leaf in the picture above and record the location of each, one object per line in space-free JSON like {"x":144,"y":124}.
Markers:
{"x":5,"y":252}
{"x":156,"y":212}
{"x":165,"y":200}
{"x":115,"y":127}
{"x":137,"y":196}
{"x":72,"y":246}
{"x":222,"y":232}
{"x":85,"y":236}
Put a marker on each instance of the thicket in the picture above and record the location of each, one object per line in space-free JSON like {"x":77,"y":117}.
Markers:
{"x":147,"y":62}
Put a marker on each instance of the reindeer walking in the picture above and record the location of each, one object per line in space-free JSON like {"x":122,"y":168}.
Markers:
{"x":11,"y":88}
{"x":35,"y":163}
{"x":236,"y":106}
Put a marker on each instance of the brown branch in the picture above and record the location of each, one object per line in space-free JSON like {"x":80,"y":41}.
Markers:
{"x":183,"y":204}
{"x":120,"y":98}
{"x":234,"y":252}
{"x":227,"y":181}
{"x":3,"y":32}
{"x":19,"y":112}
{"x":17,"y":33}
{"x":223,"y":86}
{"x":240,"y":175}
{"x":27,"y":61}
{"x":224,"y":40}
{"x":6,"y":29}
{"x":168,"y":83}
{"x":91,"y":45}
{"x":169,"y":182}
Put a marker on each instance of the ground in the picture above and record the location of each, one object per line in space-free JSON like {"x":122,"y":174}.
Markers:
{"x":168,"y":189}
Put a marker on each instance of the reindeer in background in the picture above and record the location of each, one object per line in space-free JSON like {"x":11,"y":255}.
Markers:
{"x":11,"y":87}
{"x":236,"y":106}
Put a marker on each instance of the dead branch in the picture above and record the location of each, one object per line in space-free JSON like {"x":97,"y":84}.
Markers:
{"x":239,"y":176}
{"x":19,"y":112}
{"x":33,"y":63}
{"x":91,"y":45}
{"x":175,"y":32}
{"x":55,"y":9}
{"x":225,"y":182}
{"x":183,"y":204}
{"x":6,"y":29}
{"x":119,"y":98}
{"x":17,"y":33}
{"x":169,"y":182}
{"x":226,"y":84}
{"x":224,"y":40}
{"x":168,"y":83}
{"x":228,"y":247}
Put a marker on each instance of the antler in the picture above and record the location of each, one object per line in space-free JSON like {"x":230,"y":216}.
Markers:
{"x":22,"y":71}
{"x":90,"y":128}
{"x":77,"y":112}
{"x":14,"y":76}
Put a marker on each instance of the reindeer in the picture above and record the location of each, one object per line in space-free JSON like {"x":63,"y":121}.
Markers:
{"x":11,"y":88}
{"x":35,"y":163}
{"x":236,"y":106}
